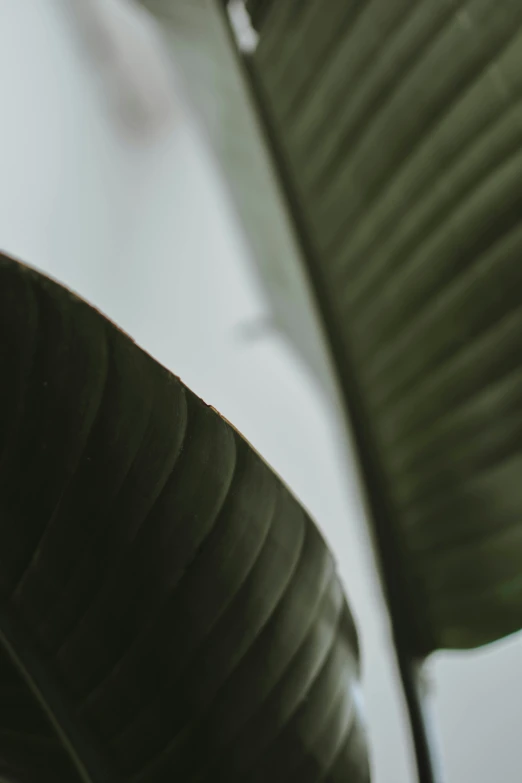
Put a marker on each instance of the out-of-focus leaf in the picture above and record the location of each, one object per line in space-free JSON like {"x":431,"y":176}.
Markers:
{"x":399,"y":124}
{"x":169,"y":602}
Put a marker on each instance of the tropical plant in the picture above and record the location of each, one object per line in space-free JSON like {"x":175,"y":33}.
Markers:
{"x":170,"y":605}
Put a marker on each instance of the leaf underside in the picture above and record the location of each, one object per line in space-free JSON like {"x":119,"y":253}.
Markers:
{"x":399,"y":124}
{"x":178,"y":606}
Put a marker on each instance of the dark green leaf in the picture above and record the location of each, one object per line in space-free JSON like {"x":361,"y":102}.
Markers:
{"x":400,"y":130}
{"x":172,"y":607}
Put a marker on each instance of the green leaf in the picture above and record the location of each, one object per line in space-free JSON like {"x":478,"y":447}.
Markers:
{"x":399,"y":128}
{"x":170,"y":605}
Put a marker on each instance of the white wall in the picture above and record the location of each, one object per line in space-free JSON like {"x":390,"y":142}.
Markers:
{"x":139,"y":224}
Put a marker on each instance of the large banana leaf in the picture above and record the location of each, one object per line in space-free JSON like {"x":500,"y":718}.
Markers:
{"x":164,"y":597}
{"x":398,"y":128}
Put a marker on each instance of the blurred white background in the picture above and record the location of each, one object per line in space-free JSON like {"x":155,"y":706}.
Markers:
{"x":107,"y":184}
